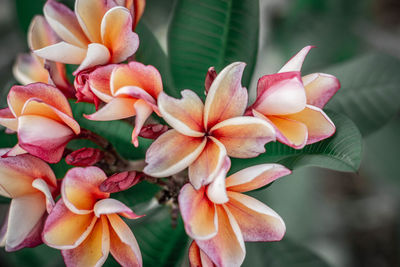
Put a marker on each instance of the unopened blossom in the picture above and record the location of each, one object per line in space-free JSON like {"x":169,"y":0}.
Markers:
{"x":203,"y":134}
{"x":128,"y":90}
{"x":293,"y":104}
{"x":220,"y":218}
{"x":30,"y":183}
{"x":42,"y":117}
{"x":84,"y":157}
{"x":85,"y":223}
{"x":30,"y":68}
{"x":96,"y":33}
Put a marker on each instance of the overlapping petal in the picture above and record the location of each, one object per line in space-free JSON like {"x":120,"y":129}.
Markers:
{"x":197,"y":258}
{"x":112,"y":206}
{"x":28,"y":69}
{"x":320,"y":88}
{"x":8,"y":120}
{"x":296,"y":62}
{"x":116,"y":109}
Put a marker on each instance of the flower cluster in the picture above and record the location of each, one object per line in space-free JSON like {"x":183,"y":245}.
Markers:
{"x":198,"y":143}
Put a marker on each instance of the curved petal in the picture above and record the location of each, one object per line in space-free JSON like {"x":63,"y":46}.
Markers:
{"x":257,"y":221}
{"x":198,"y":213}
{"x":136,"y":74}
{"x":207,"y":166}
{"x":289,"y":132}
{"x":319,"y":126}
{"x":226,"y":97}
{"x":255,"y":177}
{"x":17,"y":174}
{"x":99,"y":81}
{"x":295,"y":63}
{"x":117,"y":34}
{"x":216,"y":191}
{"x":94,"y":250}
{"x":320,"y":88}
{"x":28,"y":69}
{"x":116,"y":109}
{"x":143,"y":111}
{"x":138,"y":93}
{"x":227,"y":248}
{"x":19,"y":95}
{"x":244,"y":137}
{"x":90,"y":14}
{"x":185,"y":115}
{"x":124,"y":246}
{"x":43,"y":137}
{"x":80,"y":189}
{"x":112,"y":206}
{"x":43,"y":187}
{"x":97,"y":54}
{"x":197,"y":258}
{"x":62,"y":52}
{"x":64,"y":22}
{"x":280,"y":94}
{"x":15,"y":151}
{"x":167,"y":156}
{"x":25,"y":213}
{"x":8,"y":120}
{"x":40,"y":34}
{"x":64,"y":229}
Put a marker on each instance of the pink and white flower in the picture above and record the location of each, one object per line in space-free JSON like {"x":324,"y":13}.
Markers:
{"x":293,"y":104}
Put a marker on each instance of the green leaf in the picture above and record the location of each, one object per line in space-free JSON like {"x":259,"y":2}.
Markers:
{"x":205,"y":33}
{"x":7,"y":140}
{"x":140,"y":193}
{"x":26,"y":10}
{"x":151,"y":53}
{"x":341,"y":152}
{"x":284,"y":253}
{"x":370,"y":93}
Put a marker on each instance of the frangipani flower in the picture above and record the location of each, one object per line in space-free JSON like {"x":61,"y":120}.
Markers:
{"x":30,"y":183}
{"x":129,"y":90}
{"x":220,"y":218}
{"x":293,"y":104}
{"x":30,"y":68}
{"x":99,"y":32}
{"x":204,"y":134}
{"x":41,"y":115}
{"x":86,"y":225}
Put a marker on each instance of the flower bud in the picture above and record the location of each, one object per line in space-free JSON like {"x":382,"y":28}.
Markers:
{"x":153,"y":131}
{"x":84,"y":157}
{"x":121,"y":181}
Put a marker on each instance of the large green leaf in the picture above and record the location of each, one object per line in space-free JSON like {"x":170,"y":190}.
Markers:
{"x":341,"y":152}
{"x":205,"y":33}
{"x":26,"y":10}
{"x":370,"y":93}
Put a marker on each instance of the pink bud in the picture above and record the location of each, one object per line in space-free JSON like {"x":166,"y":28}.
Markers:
{"x":211,"y":74}
{"x":153,"y":131}
{"x":83,"y":91}
{"x":84,"y":157}
{"x":121,"y":181}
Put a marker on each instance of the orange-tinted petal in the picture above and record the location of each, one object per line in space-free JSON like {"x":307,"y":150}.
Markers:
{"x":123,"y":244}
{"x":197,"y":258}
{"x":28,"y":69}
{"x":257,"y":221}
{"x":117,"y":34}
{"x":112,"y":206}
{"x":80,"y":189}
{"x":198,"y":213}
{"x":226,"y":97}
{"x":171,"y":153}
{"x":185,"y":114}
{"x":227,"y":248}
{"x":64,"y":229}
{"x":116,"y":109}
{"x":320,"y":87}
{"x":244,"y":137}
{"x":8,"y":120}
{"x":94,"y":250}
{"x":96,"y":54}
{"x":216,"y":191}
{"x":255,"y":177}
{"x":62,"y":52}
{"x":143,"y":110}
{"x":40,"y":34}
{"x":99,"y":81}
{"x":207,"y":166}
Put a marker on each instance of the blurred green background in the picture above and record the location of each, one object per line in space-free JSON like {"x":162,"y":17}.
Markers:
{"x":332,"y":218}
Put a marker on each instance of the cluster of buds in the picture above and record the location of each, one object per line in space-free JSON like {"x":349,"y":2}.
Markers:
{"x":200,"y":137}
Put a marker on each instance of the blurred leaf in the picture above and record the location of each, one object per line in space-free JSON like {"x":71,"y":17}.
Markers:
{"x":39,"y":256}
{"x":151,"y":53}
{"x":7,"y":140}
{"x":205,"y":33}
{"x":140,"y":193}
{"x":370,"y":93}
{"x":119,"y":133}
{"x":284,"y":253}
{"x":26,"y":10}
{"x":341,"y":152}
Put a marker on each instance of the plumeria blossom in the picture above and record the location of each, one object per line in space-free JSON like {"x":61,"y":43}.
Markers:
{"x":203,"y":134}
{"x":97,"y":33}
{"x":30,"y":183}
{"x":293,"y":104}
{"x":85,"y":223}
{"x":128,"y":90}
{"x":30,"y":68}
{"x":41,"y":115}
{"x":220,"y":218}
